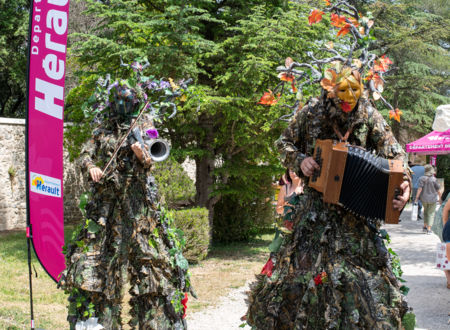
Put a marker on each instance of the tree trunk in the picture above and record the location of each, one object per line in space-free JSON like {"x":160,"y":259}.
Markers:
{"x":204,"y":170}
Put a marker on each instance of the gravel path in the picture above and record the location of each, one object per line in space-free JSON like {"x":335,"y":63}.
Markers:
{"x":428,"y":295}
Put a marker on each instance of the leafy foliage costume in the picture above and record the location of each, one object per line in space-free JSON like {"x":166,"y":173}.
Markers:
{"x":126,"y":232}
{"x":332,"y":271}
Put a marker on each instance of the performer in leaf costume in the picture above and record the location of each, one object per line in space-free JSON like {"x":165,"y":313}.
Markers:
{"x":333,"y":270}
{"x":126,"y":231}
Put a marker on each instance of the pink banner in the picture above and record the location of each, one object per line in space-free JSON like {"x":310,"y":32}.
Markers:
{"x":47,"y":62}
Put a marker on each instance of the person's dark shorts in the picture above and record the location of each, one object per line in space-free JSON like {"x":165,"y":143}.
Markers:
{"x":446,"y":232}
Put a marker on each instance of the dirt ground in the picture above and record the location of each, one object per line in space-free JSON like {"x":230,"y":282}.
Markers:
{"x":428,"y":295}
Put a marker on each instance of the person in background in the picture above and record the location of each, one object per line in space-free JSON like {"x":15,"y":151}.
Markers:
{"x":429,"y":193}
{"x":417,"y":172}
{"x":446,"y":235}
{"x":292,"y":185}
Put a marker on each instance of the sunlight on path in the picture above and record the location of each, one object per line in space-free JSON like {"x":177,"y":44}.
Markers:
{"x":428,"y":295}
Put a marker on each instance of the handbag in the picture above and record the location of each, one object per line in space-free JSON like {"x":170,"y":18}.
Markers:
{"x":415,"y":211}
{"x":441,"y":258}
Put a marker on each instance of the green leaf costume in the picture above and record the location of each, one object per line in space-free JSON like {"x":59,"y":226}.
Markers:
{"x":126,"y":232}
{"x":333,"y":271}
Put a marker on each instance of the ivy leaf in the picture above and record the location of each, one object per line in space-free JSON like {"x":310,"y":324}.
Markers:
{"x":152,"y":243}
{"x":181,"y":261}
{"x":93,"y":227}
{"x":276,"y":243}
{"x":83,"y":202}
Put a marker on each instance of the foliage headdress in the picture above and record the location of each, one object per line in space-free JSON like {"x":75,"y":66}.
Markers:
{"x":331,"y":71}
{"x":124,"y":96}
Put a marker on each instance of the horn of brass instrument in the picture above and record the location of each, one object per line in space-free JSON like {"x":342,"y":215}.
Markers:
{"x":159,"y":149}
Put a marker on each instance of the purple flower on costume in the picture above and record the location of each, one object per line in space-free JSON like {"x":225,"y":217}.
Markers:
{"x":164,"y":84}
{"x":152,"y":133}
{"x":152,"y":85}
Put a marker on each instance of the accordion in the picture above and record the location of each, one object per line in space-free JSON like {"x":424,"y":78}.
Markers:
{"x":357,"y":180}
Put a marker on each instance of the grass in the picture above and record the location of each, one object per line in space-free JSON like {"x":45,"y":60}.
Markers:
{"x":227,"y":267}
{"x":49,"y":303}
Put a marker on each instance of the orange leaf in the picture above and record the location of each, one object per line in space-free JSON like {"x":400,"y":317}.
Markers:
{"x":353,"y":21}
{"x":386,"y":60}
{"x":369,"y":75}
{"x":382,"y":64}
{"x":284,"y":76}
{"x":327,"y":84}
{"x":268,"y":98}
{"x":338,"y":21}
{"x":377,"y":80}
{"x":294,"y":88}
{"x":395,"y":114}
{"x":315,"y":16}
{"x":344,"y":31}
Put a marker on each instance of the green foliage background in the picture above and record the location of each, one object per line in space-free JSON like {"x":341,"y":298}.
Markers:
{"x":231,"y":49}
{"x":175,"y":187}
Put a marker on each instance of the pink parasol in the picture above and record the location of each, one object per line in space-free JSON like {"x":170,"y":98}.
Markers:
{"x":434,"y":143}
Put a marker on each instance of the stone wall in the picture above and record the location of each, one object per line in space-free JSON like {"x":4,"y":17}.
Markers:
{"x":12,"y":178}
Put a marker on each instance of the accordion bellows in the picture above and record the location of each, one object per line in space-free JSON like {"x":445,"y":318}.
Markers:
{"x":354,"y":178}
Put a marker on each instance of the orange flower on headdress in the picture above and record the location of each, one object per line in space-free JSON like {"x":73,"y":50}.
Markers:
{"x":315,"y":16}
{"x":269,"y":98}
{"x":376,"y":79}
{"x":286,"y":76}
{"x":342,"y":22}
{"x":382,"y":64}
{"x":395,"y":114}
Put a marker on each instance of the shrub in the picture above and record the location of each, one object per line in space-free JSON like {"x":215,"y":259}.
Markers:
{"x":174,"y":185}
{"x":240,"y":218}
{"x":195,"y":225}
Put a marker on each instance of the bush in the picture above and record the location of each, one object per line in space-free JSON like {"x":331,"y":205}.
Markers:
{"x":174,"y":185}
{"x":238,"y":218}
{"x":195,"y":225}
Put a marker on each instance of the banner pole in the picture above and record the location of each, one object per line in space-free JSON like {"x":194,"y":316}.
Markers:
{"x":27,"y":177}
{"x":30,"y":276}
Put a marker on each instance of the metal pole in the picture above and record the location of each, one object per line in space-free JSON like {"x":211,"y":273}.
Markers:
{"x":30,"y":275}
{"x":27,"y":178}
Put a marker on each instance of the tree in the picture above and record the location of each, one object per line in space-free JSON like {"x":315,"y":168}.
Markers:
{"x":414,"y":34}
{"x":228,"y":48}
{"x":14,"y":16}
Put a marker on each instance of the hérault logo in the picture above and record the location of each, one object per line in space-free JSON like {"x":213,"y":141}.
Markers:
{"x":45,"y":185}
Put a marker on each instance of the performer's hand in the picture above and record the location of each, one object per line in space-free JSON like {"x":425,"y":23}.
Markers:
{"x":402,"y":199}
{"x":141,"y":154}
{"x":96,"y":174}
{"x":308,"y":166}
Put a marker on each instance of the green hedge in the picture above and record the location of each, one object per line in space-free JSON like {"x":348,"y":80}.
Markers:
{"x":174,"y":185}
{"x":195,"y":225}
{"x":242,"y":215}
